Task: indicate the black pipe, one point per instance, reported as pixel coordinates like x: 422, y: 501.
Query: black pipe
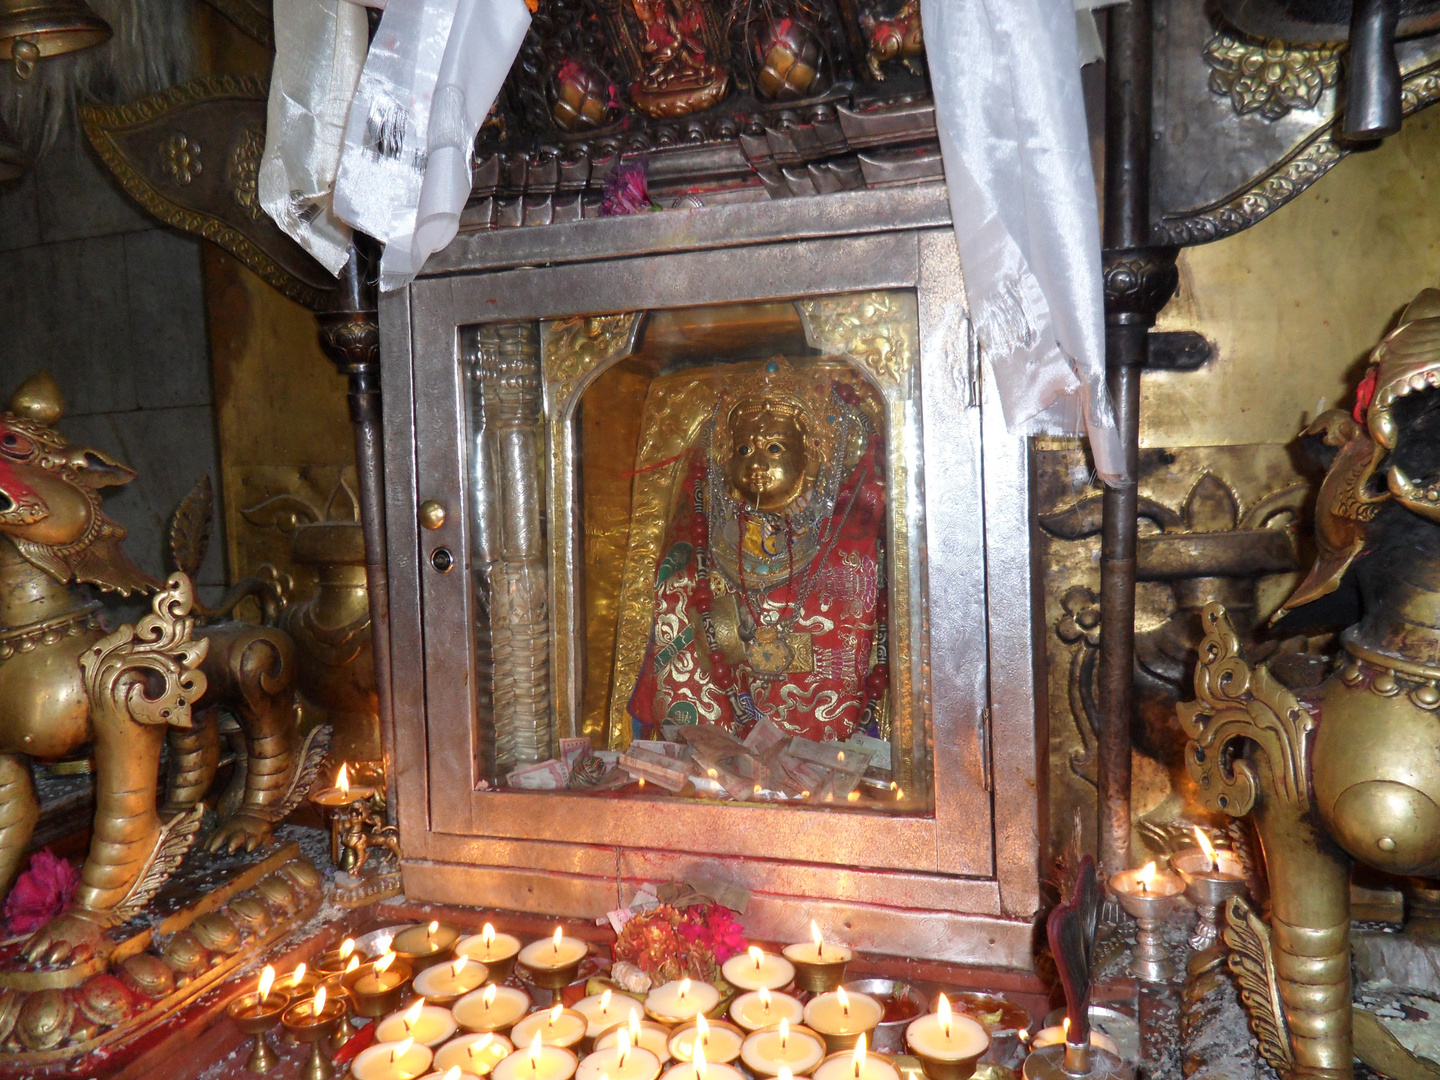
x: 1138, y: 281
x: 1372, y: 81
x: 350, y: 336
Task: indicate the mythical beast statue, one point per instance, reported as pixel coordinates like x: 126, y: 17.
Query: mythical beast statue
x: 1351, y: 769
x: 65, y: 683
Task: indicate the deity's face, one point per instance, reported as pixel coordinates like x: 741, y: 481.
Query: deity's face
x: 767, y: 466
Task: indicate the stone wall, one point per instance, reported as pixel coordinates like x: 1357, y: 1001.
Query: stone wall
x: 113, y: 305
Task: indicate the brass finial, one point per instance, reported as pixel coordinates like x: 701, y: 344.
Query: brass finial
x: 38, y: 398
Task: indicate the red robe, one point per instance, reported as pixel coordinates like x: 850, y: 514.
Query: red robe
x: 678, y: 683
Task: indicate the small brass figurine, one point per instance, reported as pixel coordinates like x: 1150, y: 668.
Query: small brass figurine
x: 1351, y: 773
x: 362, y: 825
x: 65, y: 683
x: 679, y: 76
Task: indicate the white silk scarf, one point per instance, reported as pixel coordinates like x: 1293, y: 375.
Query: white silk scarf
x: 434, y: 69
x: 1011, y: 117
x: 319, y: 50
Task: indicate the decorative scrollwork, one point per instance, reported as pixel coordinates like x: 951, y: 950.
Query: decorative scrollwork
x: 175, y: 839
x: 244, y: 172
x: 575, y: 347
x: 120, y: 667
x: 308, y: 762
x: 877, y: 330
x: 1236, y: 701
x: 1269, y: 77
x: 1252, y: 961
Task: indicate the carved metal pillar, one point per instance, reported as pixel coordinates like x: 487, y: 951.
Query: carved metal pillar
x: 1138, y: 281
x: 350, y: 336
x: 519, y: 588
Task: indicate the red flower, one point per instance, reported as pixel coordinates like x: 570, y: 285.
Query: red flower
x: 627, y: 190
x: 1364, y: 394
x: 40, y: 893
x: 715, y: 928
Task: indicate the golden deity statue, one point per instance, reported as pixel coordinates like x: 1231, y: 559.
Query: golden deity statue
x: 679, y: 76
x: 769, y: 595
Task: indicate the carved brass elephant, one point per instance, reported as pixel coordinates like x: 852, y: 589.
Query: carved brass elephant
x: 65, y: 683
x: 1353, y: 771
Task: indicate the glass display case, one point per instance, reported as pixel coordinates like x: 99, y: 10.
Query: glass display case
x: 709, y: 559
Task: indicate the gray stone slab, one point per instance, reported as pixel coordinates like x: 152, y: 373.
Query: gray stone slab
x: 170, y: 449
x: 84, y: 300
x: 19, y: 214
x: 1396, y: 958
x: 78, y: 198
x: 25, y: 317
x: 168, y: 344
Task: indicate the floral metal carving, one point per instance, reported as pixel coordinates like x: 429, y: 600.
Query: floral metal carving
x: 877, y: 330
x: 1236, y: 701
x: 577, y: 346
x: 1309, y: 161
x: 244, y: 172
x: 1269, y: 77
x: 180, y: 157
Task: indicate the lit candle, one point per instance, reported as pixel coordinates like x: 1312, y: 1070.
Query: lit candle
x: 494, y: 1008
x: 380, y: 978
x: 1058, y: 1033
x: 297, y: 980
x: 553, y: 953
x: 604, y: 1010
x: 619, y: 1062
x: 840, y: 1013
x: 1148, y: 882
x: 681, y: 1000
x: 768, y: 1051
x: 488, y: 947
x: 645, y: 1033
x: 402, y: 1060
x: 557, y: 1026
x: 475, y: 1054
x: 721, y: 1041
x: 817, y: 951
x: 700, y: 1069
x: 943, y: 1036
x: 429, y: 1025
x: 537, y: 1062
x: 761, y: 1009
x: 755, y: 969
x: 449, y: 981
x: 264, y: 999
x: 425, y: 944
x: 856, y: 1065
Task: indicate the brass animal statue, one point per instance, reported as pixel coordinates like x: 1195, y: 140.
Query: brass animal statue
x: 65, y: 683
x: 898, y: 36
x: 1350, y: 771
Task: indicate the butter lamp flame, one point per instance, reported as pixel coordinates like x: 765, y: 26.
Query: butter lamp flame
x: 784, y: 1033
x: 488, y: 997
x: 411, y: 1016
x: 859, y: 1058
x: 684, y: 988
x: 383, y: 964
x: 452, y: 1073
x: 757, y: 955
x: 267, y: 980
x: 623, y: 1039
x: 765, y: 999
x: 559, y: 933
x: 1146, y: 877
x: 347, y: 947
x: 536, y: 1051
x: 1211, y: 862
x: 699, y: 1062
x: 819, y: 939
x: 844, y: 1000
x: 401, y: 1048
x: 317, y: 1006
x: 487, y: 935
x: 942, y: 1009
x: 342, y: 779
x: 556, y: 1012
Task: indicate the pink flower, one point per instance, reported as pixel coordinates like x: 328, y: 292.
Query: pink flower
x: 627, y: 190
x: 40, y: 893
x: 714, y: 927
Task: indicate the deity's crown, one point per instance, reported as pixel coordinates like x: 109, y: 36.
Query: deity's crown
x: 781, y: 389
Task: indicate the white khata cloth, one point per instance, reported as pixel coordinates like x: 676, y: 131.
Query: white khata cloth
x: 1011, y: 117
x: 319, y: 51
x: 434, y: 69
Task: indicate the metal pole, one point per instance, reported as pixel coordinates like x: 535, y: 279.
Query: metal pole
x: 1139, y: 280
x: 350, y: 336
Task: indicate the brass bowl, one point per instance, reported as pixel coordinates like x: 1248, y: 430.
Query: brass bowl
x: 375, y: 1004
x: 818, y: 978
x: 555, y: 979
